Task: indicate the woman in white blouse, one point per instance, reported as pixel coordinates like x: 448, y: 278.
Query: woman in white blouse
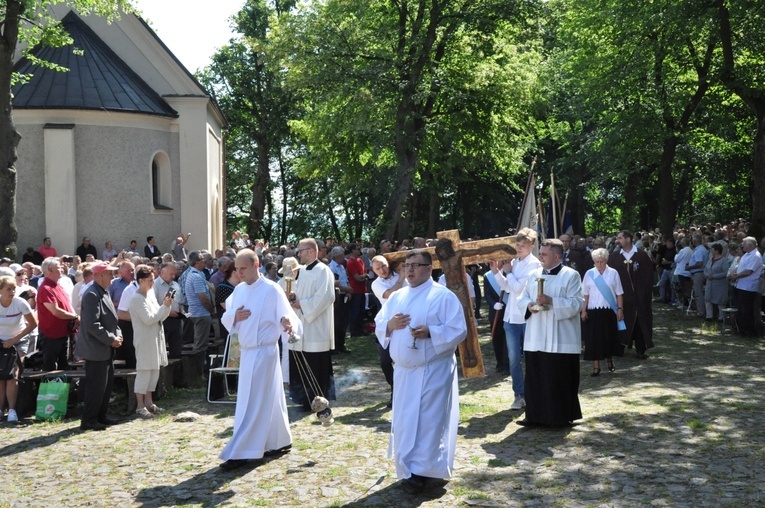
x: 602, y: 309
x: 148, y: 338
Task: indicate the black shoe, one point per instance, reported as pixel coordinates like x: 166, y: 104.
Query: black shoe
x: 595, y: 373
x: 92, y: 426
x: 414, y: 484
x: 642, y: 356
x: 280, y: 451
x: 231, y: 464
x: 611, y: 367
x: 525, y: 423
x: 108, y: 421
x: 390, y: 403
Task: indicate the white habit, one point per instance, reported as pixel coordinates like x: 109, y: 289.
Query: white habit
x: 315, y: 291
x: 557, y: 330
x: 260, y: 421
x: 425, y: 393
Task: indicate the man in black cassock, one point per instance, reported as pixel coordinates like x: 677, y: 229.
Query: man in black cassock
x: 636, y: 273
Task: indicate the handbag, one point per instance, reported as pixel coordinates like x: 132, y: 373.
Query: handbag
x: 52, y: 398
x: 8, y: 358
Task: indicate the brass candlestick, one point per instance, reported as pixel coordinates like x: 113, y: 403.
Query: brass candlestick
x: 540, y: 291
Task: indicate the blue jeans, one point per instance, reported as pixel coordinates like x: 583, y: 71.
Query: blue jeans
x: 514, y: 333
x: 666, y: 283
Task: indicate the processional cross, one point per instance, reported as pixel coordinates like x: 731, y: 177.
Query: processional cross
x: 451, y: 255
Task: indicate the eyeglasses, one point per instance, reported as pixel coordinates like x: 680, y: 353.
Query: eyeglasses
x: 414, y: 266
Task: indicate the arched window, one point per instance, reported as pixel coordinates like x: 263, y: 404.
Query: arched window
x: 161, y: 184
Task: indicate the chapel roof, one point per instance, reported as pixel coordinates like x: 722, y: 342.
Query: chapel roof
x: 97, y: 78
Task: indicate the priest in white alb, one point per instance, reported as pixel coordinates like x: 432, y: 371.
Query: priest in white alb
x: 422, y: 324
x: 259, y: 313
x: 553, y: 340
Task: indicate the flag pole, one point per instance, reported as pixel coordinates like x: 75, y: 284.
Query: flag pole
x: 554, y: 199
x: 526, y: 193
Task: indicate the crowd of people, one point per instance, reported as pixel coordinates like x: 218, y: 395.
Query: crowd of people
x: 294, y: 307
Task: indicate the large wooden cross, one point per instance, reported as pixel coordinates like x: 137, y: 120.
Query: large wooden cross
x: 451, y: 256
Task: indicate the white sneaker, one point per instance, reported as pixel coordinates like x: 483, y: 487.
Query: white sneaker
x: 12, y: 416
x: 518, y: 403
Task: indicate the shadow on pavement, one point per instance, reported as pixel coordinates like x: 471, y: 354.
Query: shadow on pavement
x: 38, y: 442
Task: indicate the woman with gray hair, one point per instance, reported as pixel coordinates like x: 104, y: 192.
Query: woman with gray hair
x: 603, y: 308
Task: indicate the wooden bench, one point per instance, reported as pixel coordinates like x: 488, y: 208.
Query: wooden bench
x: 30, y: 380
x: 166, y: 375
x: 193, y: 365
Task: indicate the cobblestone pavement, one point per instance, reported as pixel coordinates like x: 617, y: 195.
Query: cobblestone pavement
x: 683, y: 428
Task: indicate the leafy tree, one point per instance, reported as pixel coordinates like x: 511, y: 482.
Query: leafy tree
x: 388, y: 83
x: 740, y: 23
x: 248, y: 84
x: 637, y: 80
x: 29, y: 22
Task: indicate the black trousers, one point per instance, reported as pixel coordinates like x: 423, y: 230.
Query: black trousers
x: 386, y: 363
x: 173, y: 336
x: 749, y: 311
x: 126, y: 351
x: 356, y: 314
x: 341, y: 320
x: 99, y: 377
x: 55, y: 353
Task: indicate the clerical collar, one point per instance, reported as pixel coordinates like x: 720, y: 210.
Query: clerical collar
x: 554, y: 271
x: 310, y: 266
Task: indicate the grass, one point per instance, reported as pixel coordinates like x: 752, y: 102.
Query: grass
x: 697, y: 425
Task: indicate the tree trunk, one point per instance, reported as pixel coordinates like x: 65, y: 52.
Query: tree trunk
x: 667, y: 209
x: 406, y: 154
x: 434, y: 212
x: 285, y: 198
x: 755, y: 99
x: 758, y: 181
x: 259, y: 189
x: 9, y: 137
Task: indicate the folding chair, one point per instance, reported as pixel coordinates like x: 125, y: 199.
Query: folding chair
x: 229, y: 367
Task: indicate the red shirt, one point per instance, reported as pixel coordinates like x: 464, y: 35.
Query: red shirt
x: 47, y: 252
x: 356, y: 267
x: 50, y: 325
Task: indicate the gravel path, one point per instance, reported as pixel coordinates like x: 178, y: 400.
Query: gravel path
x: 683, y: 428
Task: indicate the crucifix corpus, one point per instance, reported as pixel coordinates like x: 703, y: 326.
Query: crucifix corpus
x: 451, y: 255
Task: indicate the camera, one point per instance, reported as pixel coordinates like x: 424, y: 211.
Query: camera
x: 171, y: 293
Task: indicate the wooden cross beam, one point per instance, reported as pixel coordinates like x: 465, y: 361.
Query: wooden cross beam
x: 451, y: 256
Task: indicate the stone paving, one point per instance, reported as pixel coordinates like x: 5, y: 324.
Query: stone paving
x: 683, y: 428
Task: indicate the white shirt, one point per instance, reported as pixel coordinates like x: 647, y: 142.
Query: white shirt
x: 750, y: 261
x: 380, y: 285
x: 681, y: 261
x: 127, y: 294
x: 161, y: 288
x: 513, y: 284
x: 595, y: 297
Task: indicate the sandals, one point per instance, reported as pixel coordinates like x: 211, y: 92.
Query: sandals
x: 144, y: 413
x: 154, y: 409
x: 595, y: 373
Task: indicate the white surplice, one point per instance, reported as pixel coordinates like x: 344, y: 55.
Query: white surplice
x: 260, y: 421
x: 425, y: 393
x: 558, y: 329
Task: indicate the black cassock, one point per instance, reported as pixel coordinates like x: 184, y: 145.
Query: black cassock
x: 637, y: 281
